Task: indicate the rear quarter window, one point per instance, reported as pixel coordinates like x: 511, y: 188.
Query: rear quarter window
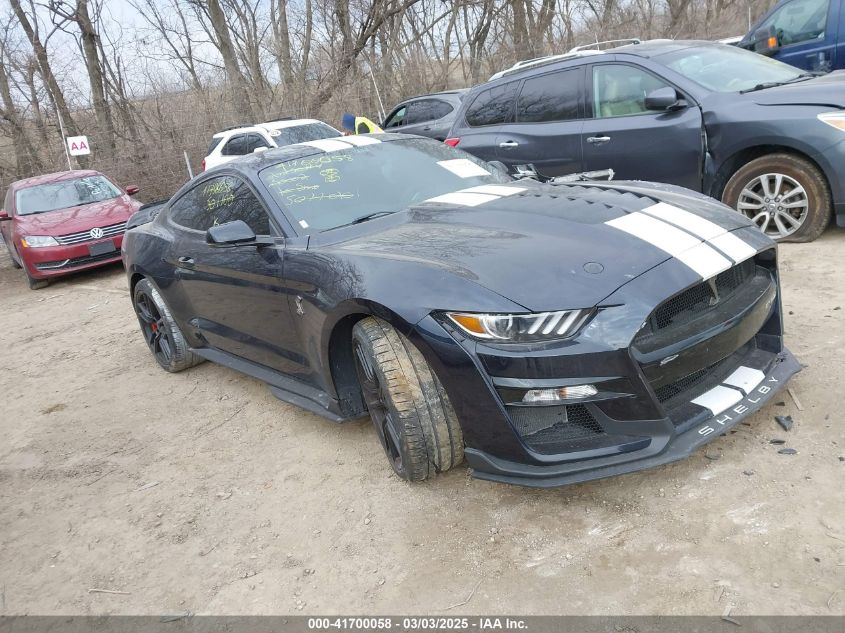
x: 493, y: 106
x: 215, y: 141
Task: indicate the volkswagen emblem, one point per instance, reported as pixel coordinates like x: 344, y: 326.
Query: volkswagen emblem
x: 96, y: 233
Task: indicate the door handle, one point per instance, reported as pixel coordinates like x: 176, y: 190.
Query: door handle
x: 186, y: 262
x: 508, y: 144
x: 596, y: 140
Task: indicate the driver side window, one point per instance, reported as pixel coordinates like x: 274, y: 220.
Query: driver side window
x: 799, y: 21
x: 217, y: 201
x: 620, y: 90
x: 397, y: 118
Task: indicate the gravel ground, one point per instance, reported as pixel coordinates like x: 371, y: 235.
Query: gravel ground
x: 201, y: 492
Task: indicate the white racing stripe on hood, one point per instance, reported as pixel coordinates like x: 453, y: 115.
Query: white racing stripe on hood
x: 327, y: 144
x: 360, y: 140
x: 494, y: 190
x: 695, y: 224
x: 474, y: 196
x: 664, y: 236
x: 705, y: 261
x: 732, y: 246
x: 697, y: 246
x: 464, y: 198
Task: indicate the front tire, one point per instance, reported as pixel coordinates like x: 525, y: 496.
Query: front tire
x: 414, y: 419
x: 36, y: 284
x: 786, y: 196
x: 15, y: 263
x: 161, y: 333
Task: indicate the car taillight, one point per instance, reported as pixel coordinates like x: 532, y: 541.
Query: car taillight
x: 203, y: 164
x: 452, y: 142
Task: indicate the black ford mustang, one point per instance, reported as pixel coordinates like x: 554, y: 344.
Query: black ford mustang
x: 551, y: 333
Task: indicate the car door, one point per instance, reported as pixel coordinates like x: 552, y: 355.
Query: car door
x: 485, y: 115
x: 547, y: 128
x: 807, y: 32
x: 637, y: 143
x: 235, y: 294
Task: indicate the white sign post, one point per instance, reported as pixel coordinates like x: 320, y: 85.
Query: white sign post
x: 78, y: 145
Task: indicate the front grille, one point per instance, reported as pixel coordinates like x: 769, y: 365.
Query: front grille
x: 554, y: 429
x: 77, y: 261
x: 691, y: 303
x: 85, y: 236
x: 676, y: 397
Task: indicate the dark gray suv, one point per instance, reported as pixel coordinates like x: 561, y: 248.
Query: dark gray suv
x: 766, y: 138
x: 427, y: 115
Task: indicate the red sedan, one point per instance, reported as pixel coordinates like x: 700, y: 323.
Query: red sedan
x: 64, y: 222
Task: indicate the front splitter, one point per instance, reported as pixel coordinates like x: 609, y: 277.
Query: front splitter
x: 680, y: 446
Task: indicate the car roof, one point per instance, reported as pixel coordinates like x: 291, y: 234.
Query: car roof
x: 645, y: 49
x: 653, y: 48
x: 263, y: 127
x: 443, y: 93
x: 58, y: 176
x: 251, y: 164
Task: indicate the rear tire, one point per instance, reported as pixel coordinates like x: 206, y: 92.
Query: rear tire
x: 786, y: 196
x: 162, y: 335
x: 414, y: 419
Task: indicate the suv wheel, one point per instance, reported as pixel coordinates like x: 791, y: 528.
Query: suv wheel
x: 414, y: 419
x: 162, y: 335
x: 787, y: 197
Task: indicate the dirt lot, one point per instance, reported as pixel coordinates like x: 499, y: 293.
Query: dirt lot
x: 201, y: 492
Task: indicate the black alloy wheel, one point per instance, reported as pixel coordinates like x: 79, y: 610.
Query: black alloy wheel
x: 155, y: 330
x: 380, y: 413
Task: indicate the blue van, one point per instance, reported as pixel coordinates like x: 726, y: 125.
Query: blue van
x: 809, y: 34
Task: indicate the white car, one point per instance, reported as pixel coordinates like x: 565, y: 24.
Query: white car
x: 240, y: 141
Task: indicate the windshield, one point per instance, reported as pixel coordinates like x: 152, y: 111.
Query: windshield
x: 64, y: 194
x: 727, y: 68
x: 302, y: 133
x: 336, y: 188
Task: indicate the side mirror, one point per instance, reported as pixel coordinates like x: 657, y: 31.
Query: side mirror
x: 260, y: 149
x: 766, y: 41
x: 664, y: 100
x: 4, y: 216
x: 131, y: 190
x: 230, y: 234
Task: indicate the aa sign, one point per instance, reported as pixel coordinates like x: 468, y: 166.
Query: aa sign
x: 78, y: 145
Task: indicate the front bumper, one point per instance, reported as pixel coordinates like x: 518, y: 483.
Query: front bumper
x: 662, y: 391
x: 55, y: 261
x: 832, y: 162
x: 667, y: 445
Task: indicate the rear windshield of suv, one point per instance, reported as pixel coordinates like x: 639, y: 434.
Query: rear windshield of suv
x: 64, y: 194
x: 302, y: 133
x: 727, y: 68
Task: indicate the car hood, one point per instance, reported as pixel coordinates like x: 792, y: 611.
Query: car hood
x: 547, y: 247
x: 827, y: 90
x: 75, y: 219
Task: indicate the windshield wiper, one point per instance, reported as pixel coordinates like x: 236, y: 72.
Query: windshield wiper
x: 364, y: 218
x: 774, y: 84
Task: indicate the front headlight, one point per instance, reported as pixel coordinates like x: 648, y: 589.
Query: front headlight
x: 521, y: 328
x: 834, y: 119
x: 35, y: 241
